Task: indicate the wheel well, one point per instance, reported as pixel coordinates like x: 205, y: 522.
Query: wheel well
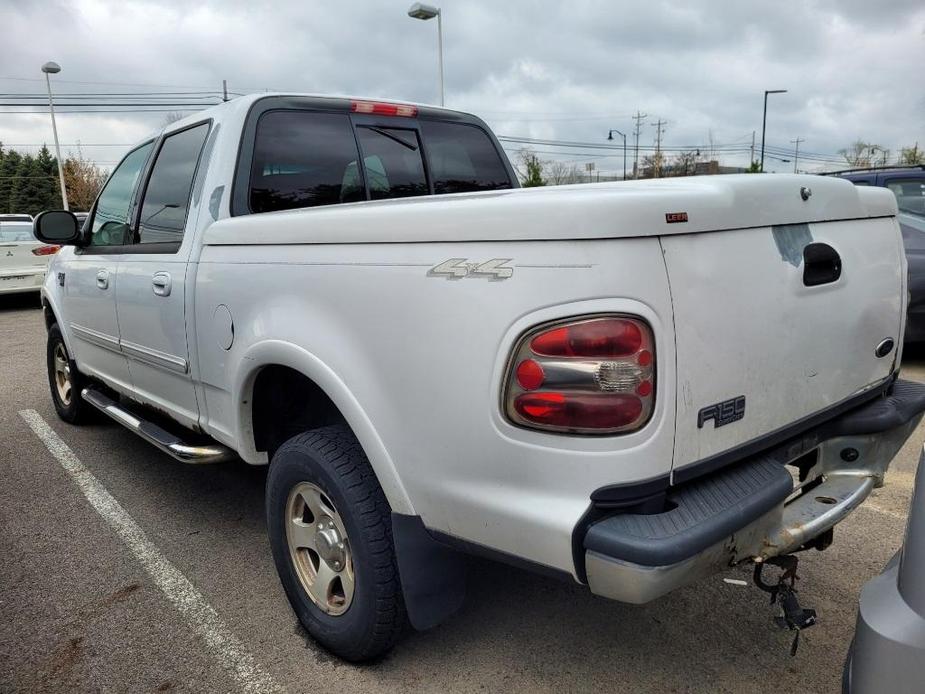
x: 50, y: 318
x: 285, y: 403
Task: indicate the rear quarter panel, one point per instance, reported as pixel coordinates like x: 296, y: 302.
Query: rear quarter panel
x: 416, y: 363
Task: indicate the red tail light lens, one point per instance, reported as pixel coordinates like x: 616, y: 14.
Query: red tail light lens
x: 606, y: 338
x: 46, y: 250
x: 593, y: 375
x: 377, y: 108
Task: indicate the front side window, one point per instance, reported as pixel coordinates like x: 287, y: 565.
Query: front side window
x: 111, y: 226
x: 304, y: 159
x: 393, y: 162
x: 462, y: 158
x: 167, y: 196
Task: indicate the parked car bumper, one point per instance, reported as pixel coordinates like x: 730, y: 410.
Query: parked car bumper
x: 888, y: 651
x: 755, y: 509
x: 22, y: 280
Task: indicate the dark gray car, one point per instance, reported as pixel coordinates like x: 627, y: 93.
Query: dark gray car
x: 908, y: 185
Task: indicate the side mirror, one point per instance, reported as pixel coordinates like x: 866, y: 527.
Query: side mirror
x: 56, y: 227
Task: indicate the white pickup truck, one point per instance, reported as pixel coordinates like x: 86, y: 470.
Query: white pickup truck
x: 632, y: 385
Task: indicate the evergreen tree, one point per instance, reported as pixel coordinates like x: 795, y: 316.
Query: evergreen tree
x: 27, y: 195
x: 50, y: 195
x: 8, y: 170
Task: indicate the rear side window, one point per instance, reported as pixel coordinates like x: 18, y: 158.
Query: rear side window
x: 167, y: 196
x: 304, y: 159
x: 462, y: 158
x: 393, y: 162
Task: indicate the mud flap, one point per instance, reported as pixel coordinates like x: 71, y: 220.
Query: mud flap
x: 433, y: 576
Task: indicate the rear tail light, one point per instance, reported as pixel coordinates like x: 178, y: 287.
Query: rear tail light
x: 592, y: 375
x: 378, y: 108
x: 45, y: 250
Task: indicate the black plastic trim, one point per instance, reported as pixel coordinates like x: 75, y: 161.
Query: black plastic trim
x: 701, y: 514
x: 478, y: 550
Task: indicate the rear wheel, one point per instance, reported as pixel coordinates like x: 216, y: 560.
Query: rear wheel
x: 330, y: 531
x: 64, y: 380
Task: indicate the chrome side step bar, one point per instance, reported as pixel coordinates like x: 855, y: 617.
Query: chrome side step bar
x: 167, y: 442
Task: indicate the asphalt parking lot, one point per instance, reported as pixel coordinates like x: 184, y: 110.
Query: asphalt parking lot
x: 79, y: 611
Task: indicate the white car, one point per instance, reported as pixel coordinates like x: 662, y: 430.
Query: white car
x: 23, y: 259
x: 609, y: 383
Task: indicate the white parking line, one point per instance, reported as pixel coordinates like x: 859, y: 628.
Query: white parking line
x: 201, y: 617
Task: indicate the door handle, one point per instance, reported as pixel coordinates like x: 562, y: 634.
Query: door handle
x: 102, y: 279
x: 822, y: 264
x: 160, y: 283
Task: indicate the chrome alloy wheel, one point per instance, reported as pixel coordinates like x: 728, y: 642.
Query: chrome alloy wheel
x: 319, y: 548
x: 62, y: 374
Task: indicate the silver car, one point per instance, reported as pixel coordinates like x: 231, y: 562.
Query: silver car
x: 888, y: 651
x: 23, y: 259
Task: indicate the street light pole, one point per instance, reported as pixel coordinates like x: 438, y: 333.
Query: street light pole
x: 610, y: 137
x: 421, y: 11
x: 51, y: 68
x: 764, y: 119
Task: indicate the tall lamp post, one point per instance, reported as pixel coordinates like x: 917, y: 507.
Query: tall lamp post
x: 421, y: 11
x: 764, y: 119
x: 610, y: 137
x: 51, y: 68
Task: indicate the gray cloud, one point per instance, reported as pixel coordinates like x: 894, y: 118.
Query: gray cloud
x: 553, y: 70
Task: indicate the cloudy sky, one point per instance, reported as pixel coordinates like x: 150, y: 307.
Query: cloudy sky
x: 565, y: 71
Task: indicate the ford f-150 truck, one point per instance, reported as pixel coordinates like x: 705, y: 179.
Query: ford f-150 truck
x: 632, y: 385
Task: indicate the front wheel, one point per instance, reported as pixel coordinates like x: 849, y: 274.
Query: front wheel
x: 64, y: 380
x: 330, y: 531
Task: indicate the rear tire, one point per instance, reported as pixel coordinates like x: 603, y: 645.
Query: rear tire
x: 64, y: 380
x: 331, y: 534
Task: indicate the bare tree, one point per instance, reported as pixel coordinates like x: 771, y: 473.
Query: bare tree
x: 684, y: 164
x: 912, y: 155
x: 83, y: 180
x: 652, y: 165
x: 172, y: 117
x: 560, y: 173
x: 529, y: 168
x: 863, y: 154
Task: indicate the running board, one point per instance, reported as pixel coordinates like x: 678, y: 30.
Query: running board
x: 167, y: 442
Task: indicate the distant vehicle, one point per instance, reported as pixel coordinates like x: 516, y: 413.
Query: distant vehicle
x: 888, y: 651
x: 23, y: 259
x: 908, y: 185
x: 16, y: 218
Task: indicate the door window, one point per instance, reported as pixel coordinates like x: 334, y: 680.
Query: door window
x: 111, y: 226
x: 166, y: 198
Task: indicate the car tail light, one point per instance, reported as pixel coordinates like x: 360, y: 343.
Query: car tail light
x: 45, y: 250
x: 592, y: 375
x: 378, y: 108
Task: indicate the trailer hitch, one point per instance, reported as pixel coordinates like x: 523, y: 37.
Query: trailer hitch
x: 784, y: 593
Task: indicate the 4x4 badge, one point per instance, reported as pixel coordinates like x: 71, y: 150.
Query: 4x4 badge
x: 457, y: 268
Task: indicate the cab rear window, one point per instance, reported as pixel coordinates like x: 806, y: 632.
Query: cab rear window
x: 310, y: 158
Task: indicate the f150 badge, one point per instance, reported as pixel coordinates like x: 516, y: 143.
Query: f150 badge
x: 722, y: 413
x: 458, y: 268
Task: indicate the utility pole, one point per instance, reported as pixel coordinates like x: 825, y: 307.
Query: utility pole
x: 657, y: 173
x: 752, y: 160
x: 637, y: 131
x: 796, y: 152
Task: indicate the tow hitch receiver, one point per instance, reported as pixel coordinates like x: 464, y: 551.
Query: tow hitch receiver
x: 784, y: 593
